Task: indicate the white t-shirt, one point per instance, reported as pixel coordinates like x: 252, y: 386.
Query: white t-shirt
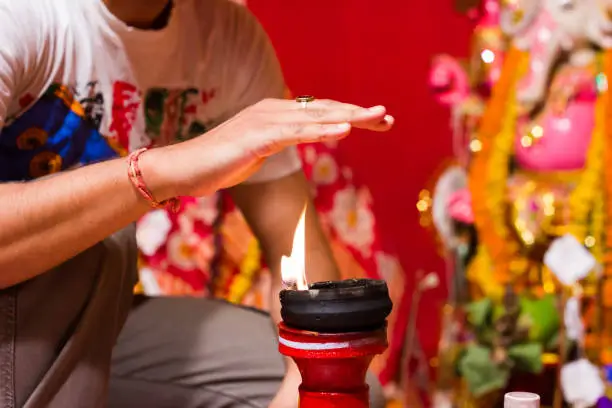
x: 77, y: 85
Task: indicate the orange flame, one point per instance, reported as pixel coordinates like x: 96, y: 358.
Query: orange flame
x: 293, y: 268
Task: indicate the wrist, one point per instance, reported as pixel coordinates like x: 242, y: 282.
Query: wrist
x: 157, y: 174
x: 183, y: 169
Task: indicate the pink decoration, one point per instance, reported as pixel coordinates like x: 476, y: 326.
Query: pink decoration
x: 460, y: 206
x: 566, y: 129
x: 448, y: 80
x: 490, y: 17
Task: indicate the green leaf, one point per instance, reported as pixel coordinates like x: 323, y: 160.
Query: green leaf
x: 527, y: 357
x: 485, y: 336
x: 543, y: 318
x: 478, y: 313
x: 480, y: 373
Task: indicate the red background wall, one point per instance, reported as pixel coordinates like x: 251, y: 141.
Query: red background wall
x: 378, y: 52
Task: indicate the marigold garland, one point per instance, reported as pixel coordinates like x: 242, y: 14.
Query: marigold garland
x: 607, y: 159
x: 598, y: 220
x: 586, y: 202
x: 249, y: 267
x: 606, y: 247
x: 490, y: 167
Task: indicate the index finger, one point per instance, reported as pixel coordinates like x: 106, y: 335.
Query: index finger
x: 315, y: 107
x: 328, y: 112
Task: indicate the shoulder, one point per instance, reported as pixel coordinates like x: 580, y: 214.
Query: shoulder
x: 32, y: 32
x: 20, y: 18
x: 28, y: 12
x: 25, y: 29
x: 29, y: 25
x: 20, y: 8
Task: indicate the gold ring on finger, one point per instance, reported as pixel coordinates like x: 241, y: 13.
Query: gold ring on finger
x: 304, y: 100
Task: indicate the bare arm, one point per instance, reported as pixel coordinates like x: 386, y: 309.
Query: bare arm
x: 65, y: 214
x: 57, y: 217
x: 272, y: 210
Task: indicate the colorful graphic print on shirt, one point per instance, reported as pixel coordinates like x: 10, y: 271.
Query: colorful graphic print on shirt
x: 172, y: 115
x: 57, y: 132
x: 61, y: 129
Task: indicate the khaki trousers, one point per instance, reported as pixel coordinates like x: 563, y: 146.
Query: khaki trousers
x: 76, y: 337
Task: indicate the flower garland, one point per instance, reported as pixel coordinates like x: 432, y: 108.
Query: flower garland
x: 607, y: 158
x: 606, y: 210
x: 489, y: 169
x: 249, y: 267
x: 585, y: 200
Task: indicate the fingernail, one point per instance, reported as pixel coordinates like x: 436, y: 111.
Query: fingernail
x: 377, y: 109
x: 389, y: 119
x: 343, y: 126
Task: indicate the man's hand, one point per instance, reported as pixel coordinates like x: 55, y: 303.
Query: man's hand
x: 240, y: 145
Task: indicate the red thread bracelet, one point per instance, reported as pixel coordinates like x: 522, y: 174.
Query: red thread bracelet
x: 135, y: 176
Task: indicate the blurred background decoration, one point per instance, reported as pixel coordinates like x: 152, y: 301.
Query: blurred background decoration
x: 522, y: 213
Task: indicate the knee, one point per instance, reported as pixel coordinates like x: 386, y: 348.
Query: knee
x: 377, y: 398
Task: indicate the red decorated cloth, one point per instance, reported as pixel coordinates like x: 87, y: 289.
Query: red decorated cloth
x: 207, y: 249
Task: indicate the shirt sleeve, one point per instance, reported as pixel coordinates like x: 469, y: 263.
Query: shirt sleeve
x: 13, y: 54
x: 259, y: 76
x: 24, y: 52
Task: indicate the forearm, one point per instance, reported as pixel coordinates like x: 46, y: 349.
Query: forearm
x: 45, y: 222
x: 273, y: 210
x: 320, y: 265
